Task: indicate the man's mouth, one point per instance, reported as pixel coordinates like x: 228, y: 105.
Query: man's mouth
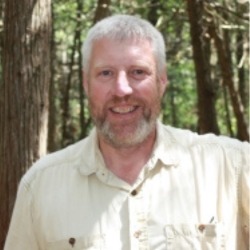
x: 124, y: 110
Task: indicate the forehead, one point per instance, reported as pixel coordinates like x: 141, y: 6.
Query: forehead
x: 122, y: 50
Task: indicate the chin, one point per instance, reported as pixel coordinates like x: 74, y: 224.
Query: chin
x: 127, y: 136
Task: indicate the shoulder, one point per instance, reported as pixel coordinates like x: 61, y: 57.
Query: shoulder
x: 204, y: 145
x: 207, y: 150
x: 64, y: 160
x: 187, y: 138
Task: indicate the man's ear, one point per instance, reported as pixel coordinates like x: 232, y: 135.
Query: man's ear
x: 163, y: 81
x: 85, y: 82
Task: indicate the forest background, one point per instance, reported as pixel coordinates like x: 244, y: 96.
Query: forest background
x: 43, y: 107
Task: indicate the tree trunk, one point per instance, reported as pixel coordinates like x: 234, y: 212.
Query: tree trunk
x: 52, y: 146
x: 85, y: 119
x: 154, y: 5
x: 67, y: 137
x: 227, y: 74
x: 24, y: 96
x: 228, y: 117
x: 201, y: 54
x: 102, y: 10
x: 241, y: 71
x: 242, y: 49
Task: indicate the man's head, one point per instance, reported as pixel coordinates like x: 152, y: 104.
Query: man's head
x: 125, y: 27
x: 125, y: 78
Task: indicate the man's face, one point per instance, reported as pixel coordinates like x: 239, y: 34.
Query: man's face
x: 124, y: 91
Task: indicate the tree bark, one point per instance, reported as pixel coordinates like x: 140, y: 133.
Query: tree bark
x: 85, y: 119
x: 201, y: 53
x: 24, y: 96
x: 228, y: 117
x: 241, y: 71
x: 52, y: 146
x: 227, y: 74
x: 102, y: 10
x: 67, y: 137
x: 152, y: 15
x: 242, y: 49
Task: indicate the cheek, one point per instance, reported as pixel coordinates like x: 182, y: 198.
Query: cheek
x: 97, y: 100
x: 149, y: 91
x: 97, y: 93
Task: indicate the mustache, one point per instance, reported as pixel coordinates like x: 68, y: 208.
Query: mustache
x: 124, y: 100
x: 117, y: 99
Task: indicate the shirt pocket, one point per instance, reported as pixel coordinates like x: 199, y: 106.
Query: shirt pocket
x: 195, y: 237
x: 82, y: 243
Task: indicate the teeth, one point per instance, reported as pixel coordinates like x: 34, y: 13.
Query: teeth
x: 123, y: 110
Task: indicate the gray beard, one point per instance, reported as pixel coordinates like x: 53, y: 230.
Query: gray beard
x: 138, y: 135
x: 127, y: 135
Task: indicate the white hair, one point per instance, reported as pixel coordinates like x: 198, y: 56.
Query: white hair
x: 125, y: 27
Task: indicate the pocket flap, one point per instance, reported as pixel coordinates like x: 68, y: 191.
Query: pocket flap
x: 79, y: 243
x: 196, y: 237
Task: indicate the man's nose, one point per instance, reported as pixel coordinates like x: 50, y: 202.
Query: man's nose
x: 122, y: 86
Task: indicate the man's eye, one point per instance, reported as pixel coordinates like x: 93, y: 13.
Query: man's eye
x: 138, y: 71
x: 106, y: 73
x: 139, y: 74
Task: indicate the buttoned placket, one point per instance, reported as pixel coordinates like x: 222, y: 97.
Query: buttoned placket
x: 138, y: 219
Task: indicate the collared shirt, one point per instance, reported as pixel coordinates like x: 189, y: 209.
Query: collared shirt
x: 192, y: 194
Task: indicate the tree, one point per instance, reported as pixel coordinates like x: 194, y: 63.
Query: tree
x: 202, y: 52
x: 227, y: 74
x: 51, y: 144
x: 24, y: 96
x: 222, y: 43
x: 102, y: 10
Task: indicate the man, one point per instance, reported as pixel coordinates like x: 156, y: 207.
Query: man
x: 133, y: 183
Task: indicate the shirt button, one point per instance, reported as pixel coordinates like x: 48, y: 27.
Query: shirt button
x: 137, y: 234
x: 134, y: 192
x: 170, y: 234
x: 201, y: 228
x: 72, y: 241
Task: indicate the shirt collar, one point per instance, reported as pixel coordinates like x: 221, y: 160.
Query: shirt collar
x: 165, y: 148
x: 90, y: 156
x: 91, y: 159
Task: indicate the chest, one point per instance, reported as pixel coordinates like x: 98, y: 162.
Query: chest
x: 171, y: 203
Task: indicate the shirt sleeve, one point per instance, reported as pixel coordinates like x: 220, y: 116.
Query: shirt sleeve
x: 21, y: 235
x: 244, y: 193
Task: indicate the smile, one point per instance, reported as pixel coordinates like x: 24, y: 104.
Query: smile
x: 123, y: 110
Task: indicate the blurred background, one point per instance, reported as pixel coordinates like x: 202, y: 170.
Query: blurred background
x: 43, y: 107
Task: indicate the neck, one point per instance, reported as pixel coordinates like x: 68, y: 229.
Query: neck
x: 127, y: 163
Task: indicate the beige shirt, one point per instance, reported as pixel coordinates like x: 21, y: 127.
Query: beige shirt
x: 192, y: 194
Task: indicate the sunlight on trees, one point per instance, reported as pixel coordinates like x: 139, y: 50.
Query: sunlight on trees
x: 180, y: 102
x: 223, y: 28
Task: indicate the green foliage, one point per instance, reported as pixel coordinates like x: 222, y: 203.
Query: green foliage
x: 180, y: 102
